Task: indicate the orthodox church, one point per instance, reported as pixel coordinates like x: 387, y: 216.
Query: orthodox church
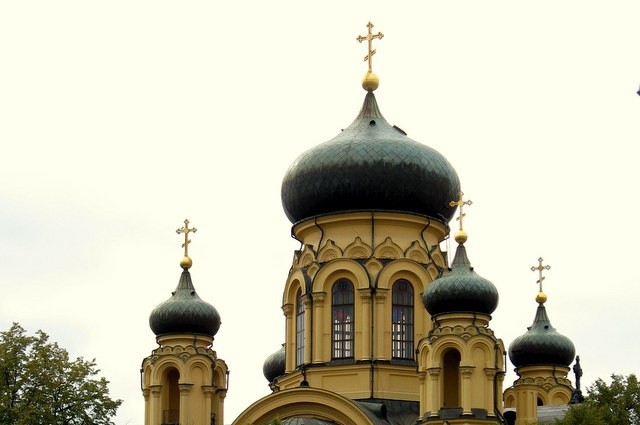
x: 381, y: 328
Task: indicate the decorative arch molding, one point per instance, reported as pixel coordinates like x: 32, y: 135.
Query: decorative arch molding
x: 373, y: 266
x: 338, y: 269
x: 358, y: 250
x: 297, y: 280
x: 329, y: 252
x: 306, y: 257
x: 388, y: 250
x: 307, y: 402
x: 417, y: 253
x: 404, y: 269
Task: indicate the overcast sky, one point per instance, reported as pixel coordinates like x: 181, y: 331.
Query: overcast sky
x: 121, y: 118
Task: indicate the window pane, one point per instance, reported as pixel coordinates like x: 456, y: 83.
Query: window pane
x: 299, y: 329
x: 342, y: 319
x: 402, y: 320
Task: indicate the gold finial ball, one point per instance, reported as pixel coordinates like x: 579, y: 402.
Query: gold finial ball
x: 186, y: 263
x: 461, y: 236
x: 541, y: 297
x: 370, y: 82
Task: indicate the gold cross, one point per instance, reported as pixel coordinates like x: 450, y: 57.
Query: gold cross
x: 540, y: 267
x: 369, y: 37
x: 186, y: 232
x: 460, y: 203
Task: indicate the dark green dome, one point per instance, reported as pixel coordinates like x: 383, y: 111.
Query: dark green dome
x: 461, y: 290
x: 274, y: 365
x: 371, y: 165
x: 541, y: 345
x: 184, y: 312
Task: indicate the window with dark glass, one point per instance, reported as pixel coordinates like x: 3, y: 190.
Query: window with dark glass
x: 342, y: 319
x: 402, y: 320
x: 299, y: 329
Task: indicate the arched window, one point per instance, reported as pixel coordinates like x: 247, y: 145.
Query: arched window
x: 402, y: 320
x: 299, y: 328
x: 342, y: 319
x: 451, y: 379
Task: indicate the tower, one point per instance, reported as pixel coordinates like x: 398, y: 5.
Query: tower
x: 541, y: 357
x: 461, y: 360
x: 370, y: 208
x: 183, y: 380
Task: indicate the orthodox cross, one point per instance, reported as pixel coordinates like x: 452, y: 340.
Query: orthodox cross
x: 369, y: 37
x: 540, y: 267
x: 186, y: 230
x: 460, y: 203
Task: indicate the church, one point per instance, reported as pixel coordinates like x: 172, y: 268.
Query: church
x: 383, y: 326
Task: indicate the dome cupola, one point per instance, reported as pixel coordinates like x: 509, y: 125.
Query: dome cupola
x: 541, y: 344
x: 185, y: 312
x: 274, y: 365
x: 370, y: 166
x: 461, y: 289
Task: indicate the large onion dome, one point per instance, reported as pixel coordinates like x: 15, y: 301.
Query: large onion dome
x: 541, y: 344
x: 370, y: 166
x: 274, y: 365
x: 184, y: 312
x: 461, y: 290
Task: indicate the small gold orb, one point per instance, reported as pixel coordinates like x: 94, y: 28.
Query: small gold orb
x: 186, y: 263
x: 370, y: 82
x: 541, y: 298
x: 461, y: 236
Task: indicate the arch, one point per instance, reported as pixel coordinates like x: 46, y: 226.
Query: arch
x: 340, y: 268
x: 307, y: 402
x: 510, y: 400
x: 440, y: 347
x: 404, y: 269
x: 193, y: 364
x: 170, y: 395
x: 296, y: 279
x: 451, y: 378
x: 164, y: 363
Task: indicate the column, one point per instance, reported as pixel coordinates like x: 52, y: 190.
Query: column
x: 319, y: 331
x: 434, y: 391
x: 382, y: 333
x: 155, y: 405
x: 185, y: 389
x: 465, y: 388
x: 365, y: 300
x: 290, y: 338
x: 307, y: 328
x: 208, y: 391
x: 489, y: 393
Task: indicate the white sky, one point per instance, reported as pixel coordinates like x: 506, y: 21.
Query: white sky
x: 120, y: 119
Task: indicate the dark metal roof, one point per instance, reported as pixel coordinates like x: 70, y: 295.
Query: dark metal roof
x: 541, y: 344
x: 184, y: 312
x: 370, y: 166
x: 274, y: 365
x: 461, y: 290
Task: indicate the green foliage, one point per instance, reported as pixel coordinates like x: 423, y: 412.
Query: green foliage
x: 617, y: 403
x: 40, y: 385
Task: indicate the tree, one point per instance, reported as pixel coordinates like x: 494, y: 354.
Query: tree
x: 40, y: 385
x: 615, y: 404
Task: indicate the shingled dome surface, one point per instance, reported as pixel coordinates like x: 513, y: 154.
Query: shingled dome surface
x: 370, y: 166
x: 184, y: 312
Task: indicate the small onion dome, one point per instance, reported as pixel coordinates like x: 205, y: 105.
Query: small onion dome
x: 370, y: 166
x: 460, y: 290
x: 541, y: 345
x: 274, y: 365
x: 184, y: 312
